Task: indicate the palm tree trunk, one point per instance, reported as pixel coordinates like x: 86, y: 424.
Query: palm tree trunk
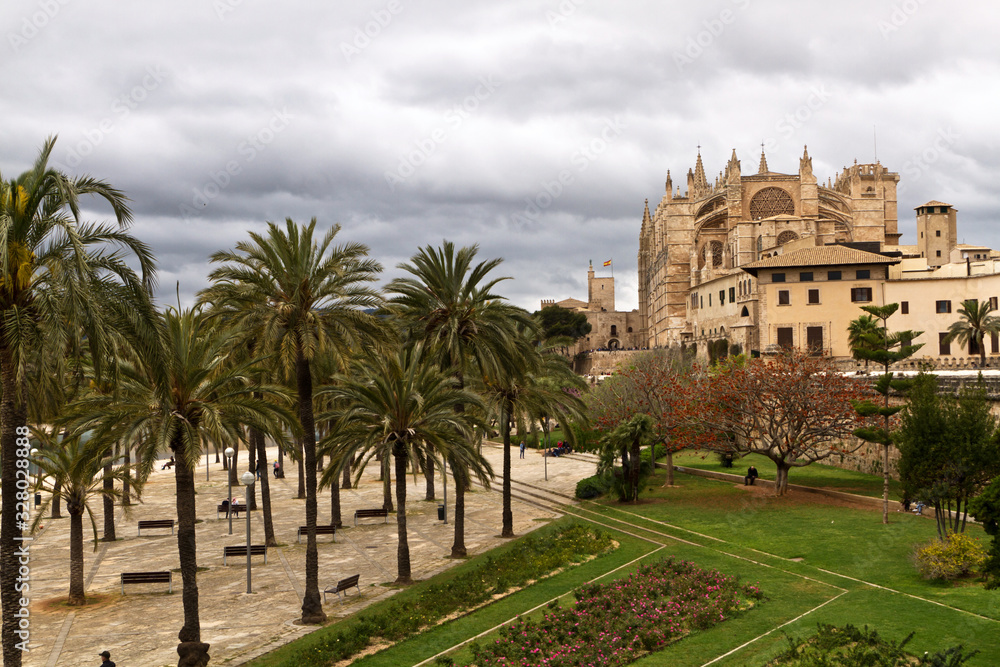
x: 458, y: 549
x: 403, y: 550
x: 126, y: 483
x: 429, y: 474
x: 257, y: 442
x: 302, y: 468
x: 191, y: 649
x: 12, y: 423
x: 345, y: 483
x: 508, y: 515
x: 386, y: 480
x: 633, y: 481
x: 56, y: 501
x: 312, y: 605
x: 335, y: 514
x: 109, y: 503
x: 77, y: 595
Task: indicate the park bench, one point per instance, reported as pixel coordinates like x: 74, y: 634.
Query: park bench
x: 320, y: 530
x: 342, y: 586
x: 370, y: 514
x: 157, y: 523
x: 148, y: 578
x: 225, y: 507
x: 241, y: 550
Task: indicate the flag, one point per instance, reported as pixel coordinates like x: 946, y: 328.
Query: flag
x: 607, y: 263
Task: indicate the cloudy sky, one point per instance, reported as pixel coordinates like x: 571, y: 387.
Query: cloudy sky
x: 533, y: 128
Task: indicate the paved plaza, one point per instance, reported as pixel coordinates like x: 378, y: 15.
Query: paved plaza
x: 140, y: 628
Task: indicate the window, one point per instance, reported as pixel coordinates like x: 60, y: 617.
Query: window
x: 784, y: 336
x: 614, y: 330
x: 709, y: 300
x: 813, y: 296
x: 783, y: 297
x: 630, y: 329
x: 944, y: 347
x: 732, y: 294
x: 701, y: 300
x: 942, y: 306
x: 864, y: 274
x: 938, y: 253
x: 973, y: 347
x: 722, y: 297
x: 993, y: 302
x: 805, y: 277
x: 994, y: 343
x: 904, y: 307
x: 833, y: 275
x: 861, y: 294
x: 777, y: 277
x: 937, y: 232
x: 814, y: 340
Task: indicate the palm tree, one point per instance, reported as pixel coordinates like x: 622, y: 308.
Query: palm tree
x: 626, y: 440
x: 300, y: 298
x: 73, y: 470
x: 975, y: 323
x: 199, y: 397
x: 395, y: 404
x: 59, y: 275
x: 448, y: 302
x: 859, y: 333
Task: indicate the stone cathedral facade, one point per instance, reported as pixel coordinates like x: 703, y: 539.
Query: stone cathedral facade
x: 699, y: 243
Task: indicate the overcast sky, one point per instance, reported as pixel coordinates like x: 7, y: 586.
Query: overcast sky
x: 535, y: 129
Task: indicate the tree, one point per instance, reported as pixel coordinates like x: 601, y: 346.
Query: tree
x: 795, y: 409
x: 73, y: 470
x: 300, y: 298
x: 948, y: 449
x: 625, y: 442
x: 562, y: 322
x: 59, y: 275
x: 885, y: 349
x: 199, y: 397
x: 395, y: 404
x: 974, y: 324
x: 985, y: 508
x: 448, y: 302
x: 859, y: 332
x: 654, y: 383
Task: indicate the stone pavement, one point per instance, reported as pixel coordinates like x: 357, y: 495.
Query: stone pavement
x: 140, y: 628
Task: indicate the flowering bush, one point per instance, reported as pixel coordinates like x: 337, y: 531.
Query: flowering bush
x: 957, y: 556
x: 618, y: 623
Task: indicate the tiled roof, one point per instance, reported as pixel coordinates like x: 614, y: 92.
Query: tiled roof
x: 934, y: 202
x: 830, y: 255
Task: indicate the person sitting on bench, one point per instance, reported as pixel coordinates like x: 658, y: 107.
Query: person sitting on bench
x: 169, y: 464
x: 751, y: 476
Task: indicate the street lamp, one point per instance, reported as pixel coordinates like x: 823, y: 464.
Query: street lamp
x: 248, y: 479
x: 34, y: 459
x: 444, y: 477
x: 546, y: 452
x: 229, y: 499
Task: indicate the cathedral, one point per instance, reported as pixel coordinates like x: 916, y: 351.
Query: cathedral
x: 705, y: 242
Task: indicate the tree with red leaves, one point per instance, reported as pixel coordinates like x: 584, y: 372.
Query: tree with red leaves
x: 656, y: 383
x: 794, y: 408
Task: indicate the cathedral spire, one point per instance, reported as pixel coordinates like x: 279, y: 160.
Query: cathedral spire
x: 763, y: 161
x: 699, y: 172
x: 669, y: 184
x: 645, y: 215
x: 805, y: 163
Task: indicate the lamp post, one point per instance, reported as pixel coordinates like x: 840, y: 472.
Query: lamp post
x: 546, y: 452
x: 229, y: 499
x: 444, y: 478
x: 248, y: 479
x: 33, y: 460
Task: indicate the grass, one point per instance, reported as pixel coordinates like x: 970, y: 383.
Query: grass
x: 816, y: 475
x: 849, y: 562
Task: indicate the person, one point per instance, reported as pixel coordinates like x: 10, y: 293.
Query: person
x: 168, y: 464
x: 906, y: 503
x: 919, y: 509
x: 751, y: 476
x: 727, y: 462
x: 256, y: 471
x: 106, y: 659
x: 278, y: 472
x: 522, y: 449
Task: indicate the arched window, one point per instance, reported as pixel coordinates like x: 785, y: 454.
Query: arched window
x: 744, y: 312
x: 630, y: 329
x: 787, y: 236
x: 614, y: 330
x: 760, y: 243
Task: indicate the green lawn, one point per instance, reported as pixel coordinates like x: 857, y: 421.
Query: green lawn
x: 816, y: 475
x: 815, y: 561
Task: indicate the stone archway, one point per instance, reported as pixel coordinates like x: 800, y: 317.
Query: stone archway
x: 614, y: 344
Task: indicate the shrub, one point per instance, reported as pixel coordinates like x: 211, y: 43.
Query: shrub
x: 849, y: 647
x: 957, y: 556
x: 591, y: 487
x: 661, y: 451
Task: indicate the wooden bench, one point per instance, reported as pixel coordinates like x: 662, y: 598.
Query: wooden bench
x: 148, y: 578
x: 370, y: 514
x: 320, y: 530
x: 157, y: 523
x: 342, y: 586
x: 225, y: 507
x: 241, y: 550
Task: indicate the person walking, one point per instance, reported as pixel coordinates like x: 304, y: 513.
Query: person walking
x: 522, y: 449
x: 106, y: 659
